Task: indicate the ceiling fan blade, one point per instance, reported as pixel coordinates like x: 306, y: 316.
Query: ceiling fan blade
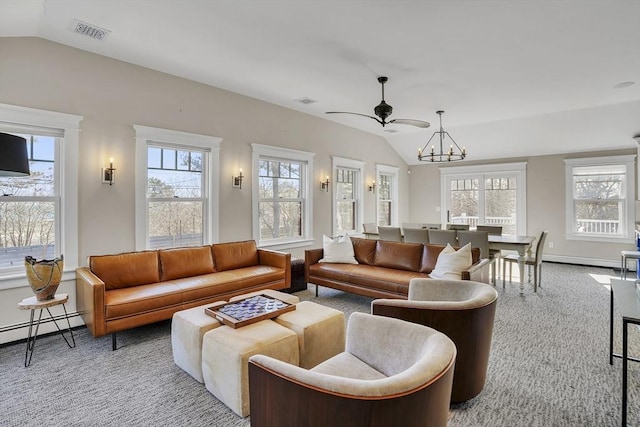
x: 356, y: 114
x: 411, y: 122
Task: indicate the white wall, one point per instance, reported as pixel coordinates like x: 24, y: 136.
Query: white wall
x: 113, y: 96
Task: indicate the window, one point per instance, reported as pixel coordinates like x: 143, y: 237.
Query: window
x: 347, y: 206
x: 38, y: 214
x: 282, y: 206
x: 599, y: 197
x: 387, y: 195
x: 486, y: 195
x: 176, y: 197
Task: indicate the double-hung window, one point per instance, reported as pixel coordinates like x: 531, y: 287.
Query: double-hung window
x: 39, y: 212
x: 600, y: 193
x: 176, y: 202
x: 387, y: 195
x: 282, y: 206
x: 485, y: 195
x: 347, y: 205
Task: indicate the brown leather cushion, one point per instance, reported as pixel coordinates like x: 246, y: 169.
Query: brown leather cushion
x: 228, y: 256
x: 431, y: 252
x: 402, y: 256
x: 127, y: 269
x: 185, y: 262
x: 364, y: 250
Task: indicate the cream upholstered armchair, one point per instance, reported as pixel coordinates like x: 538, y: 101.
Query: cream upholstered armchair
x: 392, y: 372
x: 461, y: 309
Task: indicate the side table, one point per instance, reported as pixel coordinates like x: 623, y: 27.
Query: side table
x: 33, y: 304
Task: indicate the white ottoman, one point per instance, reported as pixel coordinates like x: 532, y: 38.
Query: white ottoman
x: 225, y: 355
x: 320, y: 330
x: 187, y: 329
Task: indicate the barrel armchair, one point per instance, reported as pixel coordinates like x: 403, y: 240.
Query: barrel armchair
x: 392, y: 372
x: 463, y: 310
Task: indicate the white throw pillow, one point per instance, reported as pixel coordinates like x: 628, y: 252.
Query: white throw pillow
x: 451, y: 263
x: 340, y: 251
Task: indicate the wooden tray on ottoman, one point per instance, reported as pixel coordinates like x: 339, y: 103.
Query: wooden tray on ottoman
x: 249, y: 310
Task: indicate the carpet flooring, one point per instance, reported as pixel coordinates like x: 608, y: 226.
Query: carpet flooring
x: 549, y: 366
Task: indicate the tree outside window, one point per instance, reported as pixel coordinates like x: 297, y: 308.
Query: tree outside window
x: 280, y: 199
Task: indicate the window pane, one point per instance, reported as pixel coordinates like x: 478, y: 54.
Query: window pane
x: 280, y: 219
x: 598, y: 216
x: 464, y: 203
x: 175, y: 224
x: 500, y: 204
x: 279, y: 180
x: 184, y: 162
x: 598, y: 187
x: 384, y: 213
x: 346, y: 215
x: 168, y: 159
x: 43, y: 147
x: 28, y: 228
x: 154, y: 156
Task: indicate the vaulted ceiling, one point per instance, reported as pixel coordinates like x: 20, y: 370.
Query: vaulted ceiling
x: 515, y: 78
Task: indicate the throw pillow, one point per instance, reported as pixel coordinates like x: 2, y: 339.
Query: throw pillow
x: 451, y: 263
x: 340, y: 251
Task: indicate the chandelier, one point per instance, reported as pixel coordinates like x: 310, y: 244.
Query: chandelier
x: 441, y: 155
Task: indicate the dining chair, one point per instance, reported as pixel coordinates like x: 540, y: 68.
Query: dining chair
x: 369, y: 227
x: 479, y: 239
x: 457, y: 226
x: 534, y: 261
x: 494, y: 254
x: 392, y: 234
x: 416, y: 235
x: 442, y: 237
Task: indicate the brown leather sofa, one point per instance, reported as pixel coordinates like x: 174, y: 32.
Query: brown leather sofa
x: 384, y: 268
x: 123, y: 291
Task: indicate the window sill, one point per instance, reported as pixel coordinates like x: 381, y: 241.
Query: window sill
x: 19, y: 280
x: 283, y: 245
x: 604, y: 239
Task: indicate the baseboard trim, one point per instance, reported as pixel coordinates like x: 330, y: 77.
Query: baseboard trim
x: 593, y: 262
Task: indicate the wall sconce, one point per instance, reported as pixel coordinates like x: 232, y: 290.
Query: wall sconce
x: 324, y: 185
x: 237, y: 180
x: 108, y: 173
x: 372, y: 187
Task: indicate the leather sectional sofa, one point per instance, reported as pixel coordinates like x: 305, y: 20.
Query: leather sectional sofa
x: 123, y: 291
x: 384, y: 268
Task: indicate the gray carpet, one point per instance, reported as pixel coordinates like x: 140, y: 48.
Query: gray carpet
x: 548, y: 367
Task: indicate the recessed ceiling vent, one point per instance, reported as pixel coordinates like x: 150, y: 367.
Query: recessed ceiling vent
x: 305, y: 100
x: 90, y: 30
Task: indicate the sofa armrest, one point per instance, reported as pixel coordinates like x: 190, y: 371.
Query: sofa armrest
x: 277, y: 259
x: 90, y: 301
x: 478, y: 272
x: 311, y: 256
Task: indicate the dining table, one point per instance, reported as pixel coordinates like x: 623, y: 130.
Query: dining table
x: 520, y: 244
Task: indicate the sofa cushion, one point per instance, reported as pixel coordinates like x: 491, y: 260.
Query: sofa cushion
x: 141, y: 299
x: 364, y: 250
x: 185, y: 262
x: 430, y: 256
x: 451, y: 263
x: 229, y: 256
x: 126, y: 269
x: 401, y: 256
x: 340, y: 251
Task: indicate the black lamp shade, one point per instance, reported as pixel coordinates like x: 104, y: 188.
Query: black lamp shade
x: 13, y: 155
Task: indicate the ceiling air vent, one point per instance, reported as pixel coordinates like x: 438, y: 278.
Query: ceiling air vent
x: 91, y: 30
x: 305, y: 100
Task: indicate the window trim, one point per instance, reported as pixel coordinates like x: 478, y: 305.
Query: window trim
x: 484, y: 171
x: 393, y: 171
x: 341, y: 162
x: 67, y: 173
x: 144, y: 136
x: 259, y: 151
x: 629, y: 213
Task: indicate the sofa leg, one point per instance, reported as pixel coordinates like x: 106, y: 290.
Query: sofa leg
x: 113, y: 342
x: 317, y: 286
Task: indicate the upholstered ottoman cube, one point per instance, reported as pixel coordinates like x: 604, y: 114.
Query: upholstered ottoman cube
x: 187, y: 329
x: 320, y: 331
x: 225, y: 355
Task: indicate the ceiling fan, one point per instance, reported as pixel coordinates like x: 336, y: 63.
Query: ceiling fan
x: 384, y: 110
